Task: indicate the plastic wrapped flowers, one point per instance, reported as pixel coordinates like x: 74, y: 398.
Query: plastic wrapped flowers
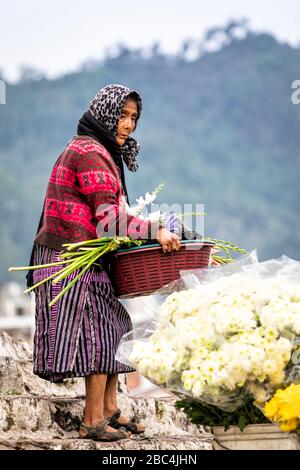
x: 227, y: 338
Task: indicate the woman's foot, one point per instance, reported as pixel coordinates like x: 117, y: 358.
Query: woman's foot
x: 117, y: 420
x: 102, y: 432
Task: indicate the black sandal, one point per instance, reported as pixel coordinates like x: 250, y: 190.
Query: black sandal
x: 99, y: 433
x: 131, y: 426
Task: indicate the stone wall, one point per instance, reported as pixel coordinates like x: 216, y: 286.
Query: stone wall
x: 35, y: 414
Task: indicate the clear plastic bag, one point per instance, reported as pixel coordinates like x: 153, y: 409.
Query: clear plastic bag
x: 192, y: 277
x: 222, y: 334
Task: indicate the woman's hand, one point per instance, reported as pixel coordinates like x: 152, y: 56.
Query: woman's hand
x: 168, y: 240
x: 213, y: 262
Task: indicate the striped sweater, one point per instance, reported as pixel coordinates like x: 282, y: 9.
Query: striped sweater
x: 84, y: 199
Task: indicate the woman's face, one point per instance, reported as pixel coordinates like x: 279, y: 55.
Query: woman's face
x: 127, y: 121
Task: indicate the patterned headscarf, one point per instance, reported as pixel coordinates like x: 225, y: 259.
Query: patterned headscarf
x: 106, y: 107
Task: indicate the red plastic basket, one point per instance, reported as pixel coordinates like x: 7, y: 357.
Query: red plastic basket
x: 142, y: 270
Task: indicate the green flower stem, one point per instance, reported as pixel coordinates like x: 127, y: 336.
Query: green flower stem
x: 73, y: 281
x: 40, y: 283
x: 71, y: 255
x: 68, y: 270
x: 226, y: 245
x: 62, y: 273
x: 31, y: 268
x: 190, y: 214
x: 71, y: 246
x: 221, y: 260
x: 77, y: 264
x: 86, y: 249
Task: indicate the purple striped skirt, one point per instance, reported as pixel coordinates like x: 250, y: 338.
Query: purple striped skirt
x: 79, y: 335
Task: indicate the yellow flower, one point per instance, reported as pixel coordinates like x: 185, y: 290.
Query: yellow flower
x: 284, y: 408
x: 271, y: 408
x: 290, y: 425
x: 291, y: 398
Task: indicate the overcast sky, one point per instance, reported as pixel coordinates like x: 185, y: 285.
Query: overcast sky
x: 56, y: 36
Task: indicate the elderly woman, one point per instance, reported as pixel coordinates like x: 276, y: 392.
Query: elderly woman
x: 79, y: 335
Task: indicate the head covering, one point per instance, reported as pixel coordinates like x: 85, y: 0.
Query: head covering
x: 103, y: 118
x: 107, y: 105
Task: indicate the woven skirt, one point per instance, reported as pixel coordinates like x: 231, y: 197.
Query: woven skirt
x: 79, y: 335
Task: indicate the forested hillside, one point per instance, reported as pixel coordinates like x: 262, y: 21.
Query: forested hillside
x: 220, y: 130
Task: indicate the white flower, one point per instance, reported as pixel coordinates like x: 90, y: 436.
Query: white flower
x: 150, y: 197
x: 154, y: 216
x: 213, y: 340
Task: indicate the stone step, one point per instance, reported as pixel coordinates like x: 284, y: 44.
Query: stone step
x: 27, y: 417
x: 16, y: 349
x: 17, y: 378
x: 135, y: 443
x: 35, y: 414
x: 16, y: 375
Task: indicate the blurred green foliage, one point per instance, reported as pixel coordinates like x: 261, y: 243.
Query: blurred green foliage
x: 220, y: 130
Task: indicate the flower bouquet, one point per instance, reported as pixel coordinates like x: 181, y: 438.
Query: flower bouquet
x: 226, y: 344
x: 79, y: 257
